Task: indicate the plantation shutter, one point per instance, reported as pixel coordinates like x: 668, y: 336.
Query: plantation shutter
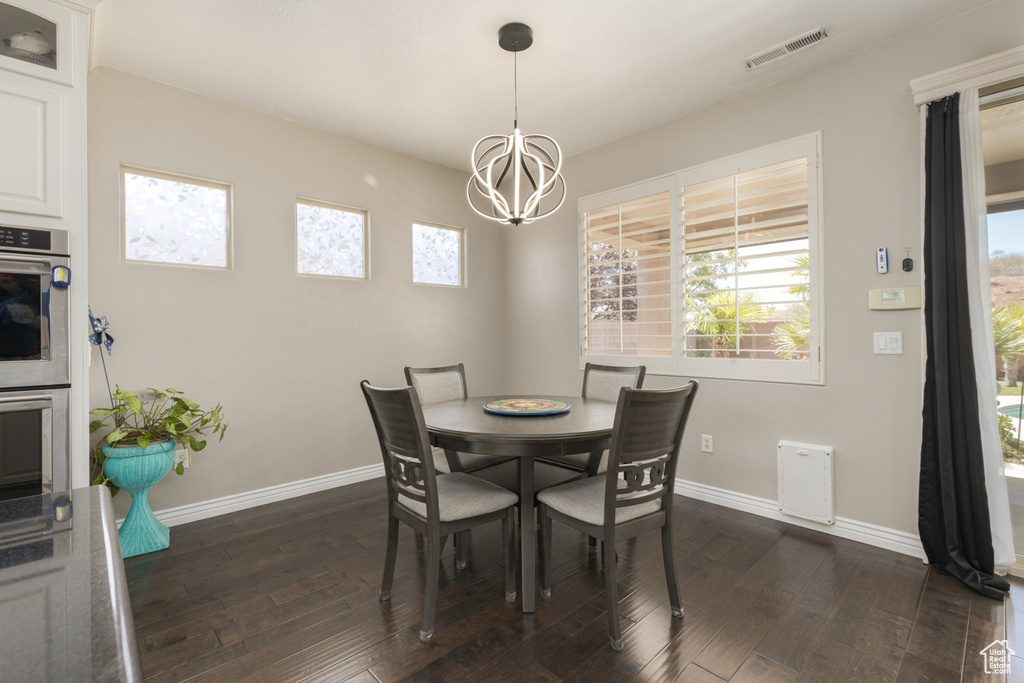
x: 627, y: 278
x: 745, y: 255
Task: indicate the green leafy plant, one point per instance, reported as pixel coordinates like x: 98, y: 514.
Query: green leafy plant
x: 1008, y: 335
x: 790, y: 338
x: 724, y: 314
x: 150, y: 417
x: 1008, y: 437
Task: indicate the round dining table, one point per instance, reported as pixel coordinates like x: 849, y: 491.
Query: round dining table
x: 464, y: 426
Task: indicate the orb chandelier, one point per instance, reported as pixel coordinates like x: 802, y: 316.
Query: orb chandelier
x: 516, y: 178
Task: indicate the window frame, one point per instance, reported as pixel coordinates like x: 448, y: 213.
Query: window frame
x: 319, y: 203
x: 229, y: 227
x: 667, y: 183
x: 462, y: 253
x: 746, y: 369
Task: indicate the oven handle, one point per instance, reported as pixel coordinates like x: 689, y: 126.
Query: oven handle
x: 26, y: 259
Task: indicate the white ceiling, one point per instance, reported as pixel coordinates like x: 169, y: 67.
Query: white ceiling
x: 427, y: 78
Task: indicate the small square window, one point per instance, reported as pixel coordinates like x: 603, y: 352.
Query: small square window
x: 173, y: 219
x: 437, y: 255
x: 331, y: 240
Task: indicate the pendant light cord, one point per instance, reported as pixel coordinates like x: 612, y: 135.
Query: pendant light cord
x: 515, y: 82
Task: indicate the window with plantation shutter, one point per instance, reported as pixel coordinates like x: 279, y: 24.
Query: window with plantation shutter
x: 739, y: 240
x: 746, y: 253
x: 627, y: 275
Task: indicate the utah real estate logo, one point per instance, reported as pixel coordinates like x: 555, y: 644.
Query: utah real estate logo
x: 997, y: 657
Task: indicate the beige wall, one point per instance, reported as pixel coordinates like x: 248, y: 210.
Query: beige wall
x: 284, y: 354
x: 870, y: 408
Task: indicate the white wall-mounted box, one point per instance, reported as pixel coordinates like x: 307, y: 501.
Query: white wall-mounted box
x: 806, y: 482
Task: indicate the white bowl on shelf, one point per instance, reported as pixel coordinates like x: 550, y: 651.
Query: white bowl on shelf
x: 30, y: 42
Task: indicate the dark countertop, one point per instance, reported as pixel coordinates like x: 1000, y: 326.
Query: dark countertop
x: 64, y: 610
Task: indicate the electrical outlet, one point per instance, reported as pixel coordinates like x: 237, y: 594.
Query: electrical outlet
x: 180, y: 455
x: 707, y: 443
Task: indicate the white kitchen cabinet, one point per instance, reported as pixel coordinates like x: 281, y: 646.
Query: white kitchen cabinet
x: 43, y: 165
x: 30, y: 147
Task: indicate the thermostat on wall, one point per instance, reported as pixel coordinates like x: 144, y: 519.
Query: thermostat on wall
x: 894, y: 299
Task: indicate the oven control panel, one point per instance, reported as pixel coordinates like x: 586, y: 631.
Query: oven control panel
x: 24, y: 238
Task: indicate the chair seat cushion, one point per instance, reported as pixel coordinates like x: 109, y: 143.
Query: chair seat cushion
x: 583, y: 499
x: 461, y: 496
x: 468, y: 460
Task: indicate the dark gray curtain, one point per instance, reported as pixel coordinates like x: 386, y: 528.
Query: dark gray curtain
x: 953, y: 517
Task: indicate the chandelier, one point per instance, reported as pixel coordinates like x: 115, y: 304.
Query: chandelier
x: 516, y: 178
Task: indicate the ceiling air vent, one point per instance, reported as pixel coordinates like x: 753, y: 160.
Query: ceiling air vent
x: 787, y: 48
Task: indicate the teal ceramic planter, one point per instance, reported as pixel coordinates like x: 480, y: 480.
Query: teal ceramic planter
x: 137, y: 470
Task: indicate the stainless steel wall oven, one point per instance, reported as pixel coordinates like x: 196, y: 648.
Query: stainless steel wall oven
x: 35, y: 361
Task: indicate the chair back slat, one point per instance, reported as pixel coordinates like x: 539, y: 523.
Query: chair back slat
x: 603, y: 382
x: 434, y: 385
x: 406, y: 474
x: 405, y: 448
x: 645, y: 444
x: 641, y: 480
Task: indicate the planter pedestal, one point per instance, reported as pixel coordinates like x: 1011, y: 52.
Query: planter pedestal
x: 137, y: 470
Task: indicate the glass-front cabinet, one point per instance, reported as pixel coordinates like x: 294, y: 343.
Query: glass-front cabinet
x: 35, y: 39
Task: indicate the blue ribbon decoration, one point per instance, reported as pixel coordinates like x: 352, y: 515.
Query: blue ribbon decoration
x: 100, y: 331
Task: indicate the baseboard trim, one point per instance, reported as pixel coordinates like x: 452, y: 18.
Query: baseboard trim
x: 271, y: 494
x: 852, y: 529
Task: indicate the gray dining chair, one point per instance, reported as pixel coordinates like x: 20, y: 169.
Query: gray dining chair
x: 633, y: 496
x: 447, y: 383
x: 434, y: 505
x: 602, y: 382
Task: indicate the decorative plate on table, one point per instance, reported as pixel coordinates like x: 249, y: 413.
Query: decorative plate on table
x: 526, y: 406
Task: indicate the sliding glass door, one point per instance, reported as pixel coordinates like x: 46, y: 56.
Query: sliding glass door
x: 1002, y: 120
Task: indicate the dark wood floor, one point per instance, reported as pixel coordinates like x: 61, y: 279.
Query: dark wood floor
x: 288, y: 592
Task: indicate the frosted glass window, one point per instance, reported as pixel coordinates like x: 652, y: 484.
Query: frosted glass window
x: 175, y: 219
x: 331, y: 240
x: 436, y: 255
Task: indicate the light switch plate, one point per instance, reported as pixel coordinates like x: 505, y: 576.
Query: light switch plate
x: 888, y: 343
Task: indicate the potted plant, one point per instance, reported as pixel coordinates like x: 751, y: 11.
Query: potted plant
x: 139, y: 450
